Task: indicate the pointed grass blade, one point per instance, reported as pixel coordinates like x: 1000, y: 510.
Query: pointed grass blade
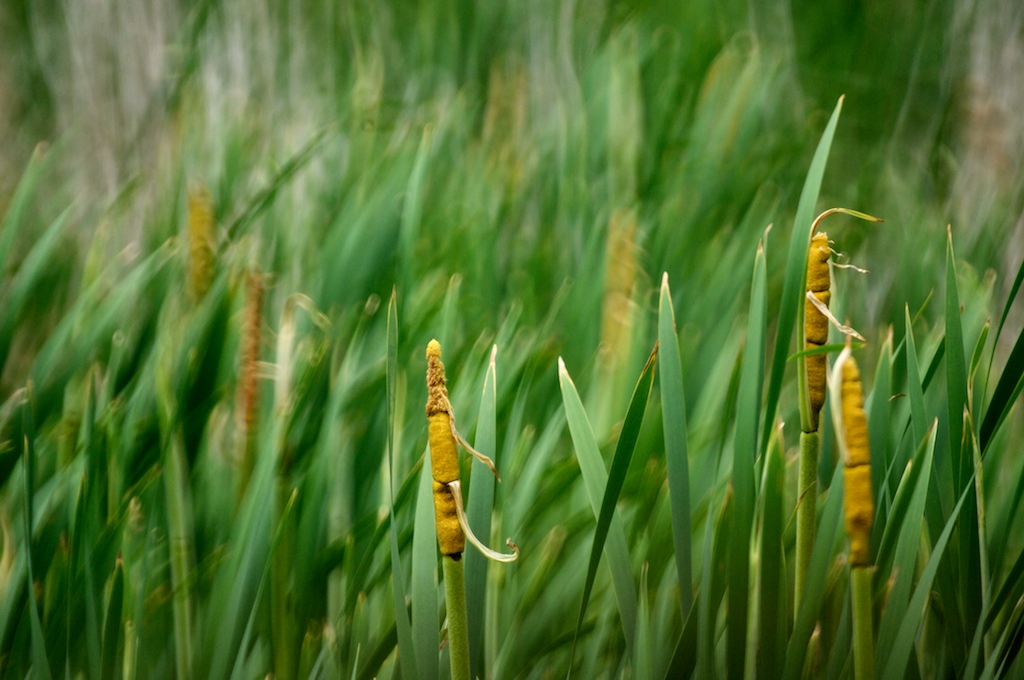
x: 643, y: 630
x: 748, y: 407
x: 713, y: 583
x: 112, y: 640
x: 425, y: 630
x: 595, y: 480
x: 40, y: 662
x: 30, y: 272
x: 673, y: 415
x: 243, y: 649
x: 684, y: 658
x: 826, y: 541
x: 918, y: 419
x: 796, y: 265
x: 1010, y: 382
x: 956, y: 373
x: 968, y: 552
x: 10, y: 221
x: 403, y: 629
x: 903, y: 644
x: 878, y: 414
x: 772, y: 586
x: 617, y: 476
x: 904, y: 527
x: 481, y: 504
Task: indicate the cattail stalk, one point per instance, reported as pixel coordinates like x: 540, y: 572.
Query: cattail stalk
x: 444, y: 467
x: 449, y: 515
x: 815, y: 335
x: 858, y: 505
x: 813, y: 370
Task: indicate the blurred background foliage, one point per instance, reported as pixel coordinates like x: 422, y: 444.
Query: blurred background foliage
x: 523, y: 172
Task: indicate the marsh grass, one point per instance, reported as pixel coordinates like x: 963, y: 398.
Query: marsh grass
x: 510, y: 175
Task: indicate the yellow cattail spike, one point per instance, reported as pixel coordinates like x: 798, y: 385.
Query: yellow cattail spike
x: 817, y: 263
x: 815, y: 323
x: 201, y: 243
x: 858, y: 504
x: 444, y: 461
x: 816, y: 374
x: 855, y: 423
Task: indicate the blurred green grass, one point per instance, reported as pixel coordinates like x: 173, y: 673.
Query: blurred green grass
x: 522, y: 173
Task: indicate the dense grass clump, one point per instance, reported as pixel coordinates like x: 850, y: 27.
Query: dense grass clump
x: 230, y: 229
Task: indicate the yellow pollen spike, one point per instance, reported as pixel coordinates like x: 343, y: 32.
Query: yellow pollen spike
x: 859, y: 509
x: 816, y: 370
x: 854, y: 421
x: 817, y: 263
x: 816, y: 323
x: 444, y: 461
x: 858, y: 504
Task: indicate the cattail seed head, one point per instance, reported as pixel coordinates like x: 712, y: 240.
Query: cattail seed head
x: 444, y: 461
x: 201, y: 243
x: 816, y: 375
x: 852, y: 427
x: 248, y: 389
x: 816, y: 324
x: 817, y: 263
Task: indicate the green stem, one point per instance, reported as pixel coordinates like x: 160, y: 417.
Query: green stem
x: 179, y: 521
x: 285, y: 641
x: 458, y: 629
x: 986, y: 594
x: 807, y: 508
x: 863, y: 638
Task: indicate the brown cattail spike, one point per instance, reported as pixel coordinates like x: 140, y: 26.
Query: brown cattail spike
x: 248, y: 391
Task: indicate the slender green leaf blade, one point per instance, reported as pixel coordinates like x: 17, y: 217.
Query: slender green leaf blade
x: 825, y: 543
x: 956, y: 373
x: 403, y: 629
x: 903, y: 644
x: 595, y: 480
x: 481, y: 503
x: 796, y: 265
x: 424, y: 578
x: 112, y: 625
x: 909, y: 528
x: 673, y: 415
x: 748, y: 404
x: 40, y: 662
x: 771, y: 643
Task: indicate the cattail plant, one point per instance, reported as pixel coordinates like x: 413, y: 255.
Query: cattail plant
x: 449, y: 514
x: 814, y: 369
x: 201, y: 243
x: 248, y: 392
x: 858, y: 507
